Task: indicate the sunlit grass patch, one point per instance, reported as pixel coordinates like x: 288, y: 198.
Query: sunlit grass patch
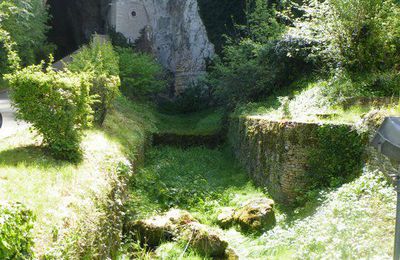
x: 64, y: 196
x: 355, y: 221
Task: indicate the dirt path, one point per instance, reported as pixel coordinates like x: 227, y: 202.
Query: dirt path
x: 10, y: 125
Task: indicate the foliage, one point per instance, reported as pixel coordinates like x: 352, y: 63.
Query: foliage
x: 359, y: 35
x: 9, y: 59
x: 365, y: 206
x: 194, y: 98
x: 100, y: 59
x: 140, y: 73
x: 64, y: 108
x: 337, y: 158
x: 26, y: 23
x: 260, y: 62
x: 16, y: 223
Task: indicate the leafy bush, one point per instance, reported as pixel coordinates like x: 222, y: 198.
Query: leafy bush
x: 140, y: 73
x: 258, y: 63
x: 26, y: 22
x: 100, y: 59
x: 16, y: 223
x: 9, y: 59
x: 57, y: 104
x: 360, y: 35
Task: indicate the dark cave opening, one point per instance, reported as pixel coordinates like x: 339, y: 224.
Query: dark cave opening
x: 73, y: 22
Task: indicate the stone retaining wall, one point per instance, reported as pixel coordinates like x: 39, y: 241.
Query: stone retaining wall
x: 292, y: 158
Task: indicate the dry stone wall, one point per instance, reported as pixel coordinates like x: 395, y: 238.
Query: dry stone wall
x: 292, y: 158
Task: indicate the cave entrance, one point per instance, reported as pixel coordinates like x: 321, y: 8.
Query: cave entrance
x: 74, y: 22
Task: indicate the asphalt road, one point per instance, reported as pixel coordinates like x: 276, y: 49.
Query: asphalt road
x: 10, y: 125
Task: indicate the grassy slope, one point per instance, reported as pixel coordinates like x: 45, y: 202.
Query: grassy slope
x: 61, y: 193
x: 309, y: 103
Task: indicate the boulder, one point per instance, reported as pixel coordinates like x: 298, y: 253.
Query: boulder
x: 205, y: 240
x: 226, y: 218
x: 155, y: 230
x: 256, y: 215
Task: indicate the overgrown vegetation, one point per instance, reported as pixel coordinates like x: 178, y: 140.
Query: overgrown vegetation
x: 26, y: 23
x: 140, y: 73
x: 99, y: 59
x: 337, y: 40
x: 16, y: 223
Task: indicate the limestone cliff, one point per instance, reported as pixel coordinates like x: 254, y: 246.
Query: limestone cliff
x: 178, y: 35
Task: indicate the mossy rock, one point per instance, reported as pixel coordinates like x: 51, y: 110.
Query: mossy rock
x: 205, y: 240
x: 226, y: 217
x: 256, y: 215
x: 153, y: 231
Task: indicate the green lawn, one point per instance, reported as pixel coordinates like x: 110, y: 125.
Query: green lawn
x: 66, y: 197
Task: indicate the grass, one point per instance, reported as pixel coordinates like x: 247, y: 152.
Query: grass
x: 206, y: 122
x: 351, y: 222
x: 355, y: 221
x: 310, y: 103
x: 197, y: 179
x: 62, y: 195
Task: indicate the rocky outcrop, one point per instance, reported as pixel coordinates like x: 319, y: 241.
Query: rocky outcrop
x: 178, y: 35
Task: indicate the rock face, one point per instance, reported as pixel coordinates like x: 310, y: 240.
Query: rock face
x: 178, y: 35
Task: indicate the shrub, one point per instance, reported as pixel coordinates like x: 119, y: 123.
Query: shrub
x: 236, y: 76
x: 360, y: 35
x: 248, y: 69
x: 9, y: 59
x: 100, y: 59
x: 57, y: 104
x: 16, y: 223
x: 140, y: 73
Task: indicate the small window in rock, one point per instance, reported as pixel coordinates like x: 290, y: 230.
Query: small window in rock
x: 133, y: 13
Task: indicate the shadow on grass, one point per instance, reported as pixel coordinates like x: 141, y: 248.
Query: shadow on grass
x: 29, y: 156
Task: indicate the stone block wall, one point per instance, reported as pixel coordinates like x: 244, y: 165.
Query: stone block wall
x: 291, y: 158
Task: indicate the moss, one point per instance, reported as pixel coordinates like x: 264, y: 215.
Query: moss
x: 292, y: 159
